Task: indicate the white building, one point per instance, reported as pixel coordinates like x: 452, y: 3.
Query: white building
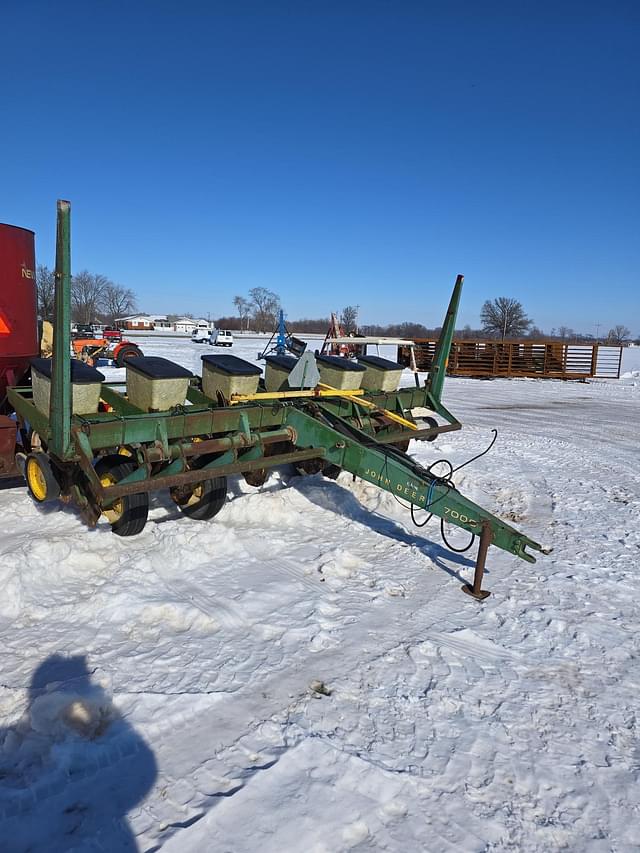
x: 144, y: 322
x: 160, y: 321
x: 135, y: 321
x: 185, y: 324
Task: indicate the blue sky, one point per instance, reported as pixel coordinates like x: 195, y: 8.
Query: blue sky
x: 335, y: 152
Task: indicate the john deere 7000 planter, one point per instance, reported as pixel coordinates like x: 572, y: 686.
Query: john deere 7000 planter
x: 108, y: 462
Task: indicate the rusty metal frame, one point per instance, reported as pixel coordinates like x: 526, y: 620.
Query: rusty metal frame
x: 485, y: 357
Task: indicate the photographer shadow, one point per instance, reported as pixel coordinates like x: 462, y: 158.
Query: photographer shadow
x: 71, y: 768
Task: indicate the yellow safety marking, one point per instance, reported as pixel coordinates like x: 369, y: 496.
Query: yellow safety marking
x: 369, y: 405
x: 288, y: 395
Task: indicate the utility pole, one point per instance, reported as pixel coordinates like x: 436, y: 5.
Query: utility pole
x: 598, y: 332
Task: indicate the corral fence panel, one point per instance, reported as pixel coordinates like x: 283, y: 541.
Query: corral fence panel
x: 551, y: 359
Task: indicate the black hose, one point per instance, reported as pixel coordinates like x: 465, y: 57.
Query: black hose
x: 473, y: 458
x: 449, y: 545
x: 420, y: 523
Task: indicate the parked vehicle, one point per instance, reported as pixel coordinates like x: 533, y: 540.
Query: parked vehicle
x: 83, y: 330
x: 221, y: 338
x: 110, y: 333
x: 200, y: 335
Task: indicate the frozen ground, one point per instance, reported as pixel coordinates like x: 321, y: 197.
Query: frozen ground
x: 158, y: 692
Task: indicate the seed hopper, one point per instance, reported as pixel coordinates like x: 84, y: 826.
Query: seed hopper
x: 169, y: 430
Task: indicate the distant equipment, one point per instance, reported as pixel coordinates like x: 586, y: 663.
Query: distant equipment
x: 284, y: 341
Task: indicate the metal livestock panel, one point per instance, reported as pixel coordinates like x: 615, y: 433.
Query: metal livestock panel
x: 551, y: 359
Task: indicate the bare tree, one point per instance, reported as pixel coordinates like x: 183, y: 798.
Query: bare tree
x: 265, y: 306
x: 243, y: 307
x: 466, y: 333
x: 116, y: 301
x: 45, y: 287
x: 618, y: 335
x: 86, y: 295
x: 504, y: 317
x: 536, y: 333
x: 565, y: 332
x: 349, y: 319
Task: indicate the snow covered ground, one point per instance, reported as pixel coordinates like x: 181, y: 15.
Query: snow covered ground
x: 303, y: 672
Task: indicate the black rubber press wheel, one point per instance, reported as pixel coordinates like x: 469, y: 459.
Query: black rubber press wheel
x: 128, y: 514
x: 201, y: 501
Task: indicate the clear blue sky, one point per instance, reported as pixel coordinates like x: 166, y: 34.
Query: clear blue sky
x: 335, y: 152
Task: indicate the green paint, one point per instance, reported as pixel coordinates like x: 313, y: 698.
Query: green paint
x: 438, y: 370
x: 60, y: 400
x: 243, y: 427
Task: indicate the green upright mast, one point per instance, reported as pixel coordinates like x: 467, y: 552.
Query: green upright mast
x: 60, y: 400
x: 438, y: 369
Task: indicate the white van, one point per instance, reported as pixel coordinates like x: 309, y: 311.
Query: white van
x: 200, y: 335
x: 221, y: 338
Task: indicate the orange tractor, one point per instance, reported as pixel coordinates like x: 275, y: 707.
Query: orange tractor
x: 91, y: 349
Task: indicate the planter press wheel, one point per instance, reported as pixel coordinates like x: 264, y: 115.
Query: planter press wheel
x: 201, y: 501
x: 316, y: 466
x: 403, y: 445
x: 308, y: 467
x: 432, y: 423
x: 127, y: 514
x: 258, y: 477
x: 41, y: 482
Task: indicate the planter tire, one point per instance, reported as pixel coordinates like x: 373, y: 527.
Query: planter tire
x: 128, y: 514
x: 41, y: 482
x: 201, y: 501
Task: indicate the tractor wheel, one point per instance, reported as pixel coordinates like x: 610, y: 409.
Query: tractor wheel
x: 125, y: 352
x: 127, y: 514
x: 41, y: 482
x: 201, y: 501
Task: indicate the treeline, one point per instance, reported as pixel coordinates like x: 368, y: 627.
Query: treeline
x: 614, y: 337
x: 94, y: 297
x: 301, y: 327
